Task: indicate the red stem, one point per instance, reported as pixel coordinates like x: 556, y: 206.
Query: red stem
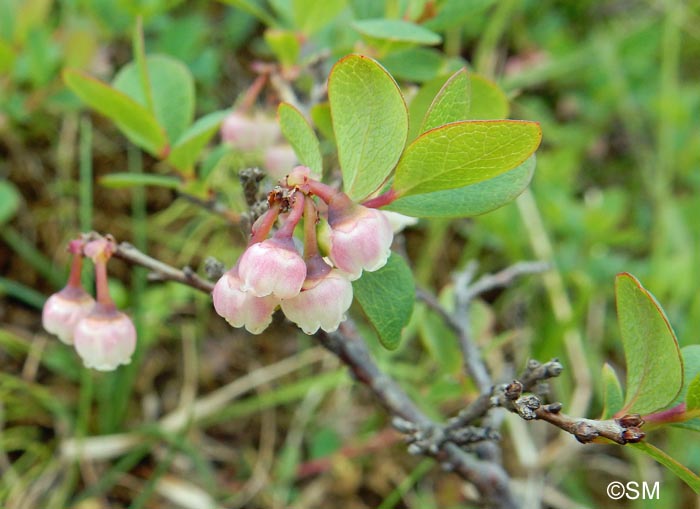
x: 287, y: 229
x: 264, y: 224
x: 310, y: 219
x: 76, y: 269
x: 673, y: 414
x: 252, y: 93
x: 323, y: 191
x: 381, y: 200
x: 103, y: 296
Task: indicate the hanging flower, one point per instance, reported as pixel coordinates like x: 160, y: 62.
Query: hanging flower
x: 106, y: 338
x: 64, y: 309
x: 360, y: 240
x: 272, y: 267
x: 241, y: 308
x: 322, y: 303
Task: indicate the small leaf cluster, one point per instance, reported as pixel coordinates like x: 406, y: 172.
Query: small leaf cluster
x: 663, y: 380
x: 152, y: 101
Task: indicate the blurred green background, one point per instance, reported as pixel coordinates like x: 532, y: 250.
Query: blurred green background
x: 208, y: 416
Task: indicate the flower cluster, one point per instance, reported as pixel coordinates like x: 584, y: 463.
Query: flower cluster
x: 103, y: 336
x: 312, y: 284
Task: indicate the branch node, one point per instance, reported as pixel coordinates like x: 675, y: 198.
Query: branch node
x: 403, y: 426
x: 553, y: 408
x: 415, y: 450
x: 533, y: 364
x: 213, y: 268
x: 585, y: 432
x: 630, y: 421
x: 554, y: 368
x: 526, y: 406
x: 633, y: 435
x: 250, y: 181
x: 513, y: 390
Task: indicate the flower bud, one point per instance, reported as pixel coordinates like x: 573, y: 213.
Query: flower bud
x: 99, y: 250
x: 105, y: 338
x: 272, y: 266
x: 64, y: 309
x: 322, y: 303
x: 249, y: 133
x: 242, y: 309
x: 360, y: 240
x: 278, y: 160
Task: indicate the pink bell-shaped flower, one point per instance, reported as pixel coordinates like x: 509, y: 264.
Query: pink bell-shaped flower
x: 64, y: 309
x: 240, y: 308
x: 272, y: 267
x: 278, y: 159
x: 105, y: 339
x: 360, y: 240
x: 249, y: 133
x: 322, y: 303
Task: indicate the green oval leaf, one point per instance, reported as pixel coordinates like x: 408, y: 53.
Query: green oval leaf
x: 284, y: 44
x: 453, y: 13
x: 134, y: 120
x: 451, y: 104
x: 171, y: 89
x: 691, y: 369
x: 692, y: 399
x: 253, y: 8
x: 417, y: 64
x: 187, y: 149
x: 488, y: 102
x: 301, y: 137
x: 395, y: 31
x: 370, y: 122
x: 321, y: 116
x: 310, y: 16
x: 654, y: 362
x: 387, y: 296
x: 122, y: 180
x: 464, y: 153
x: 613, y: 397
x: 9, y: 201
x: 420, y: 103
x: 471, y: 200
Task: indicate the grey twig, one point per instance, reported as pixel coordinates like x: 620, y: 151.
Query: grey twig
x: 513, y: 397
x: 163, y: 271
x: 466, y: 290
x: 503, y: 278
x: 425, y: 436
